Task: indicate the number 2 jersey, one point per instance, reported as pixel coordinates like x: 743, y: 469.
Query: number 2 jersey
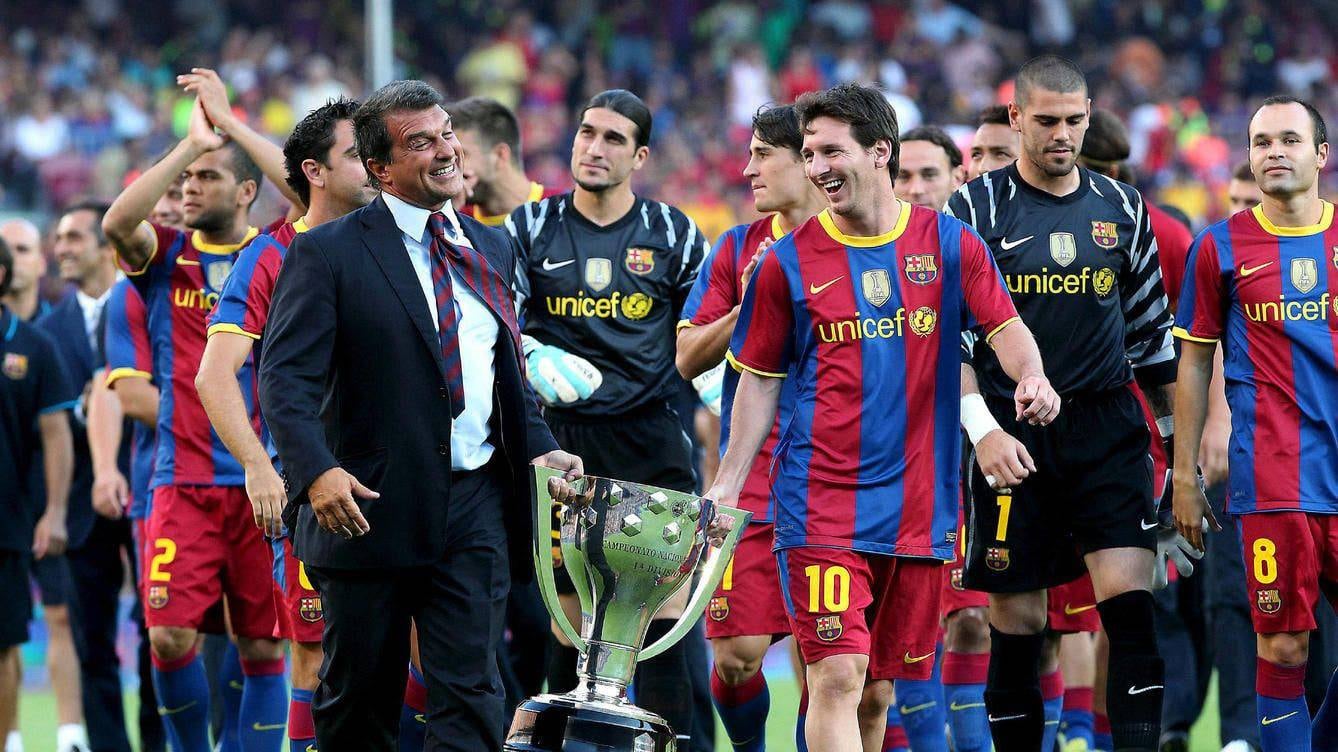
x: 1270, y: 295
x: 868, y: 328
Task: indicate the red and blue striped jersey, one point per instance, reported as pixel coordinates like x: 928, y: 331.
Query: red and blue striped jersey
x: 126, y: 344
x: 868, y: 330
x: 1270, y: 295
x: 717, y: 291
x: 243, y: 306
x: 180, y: 284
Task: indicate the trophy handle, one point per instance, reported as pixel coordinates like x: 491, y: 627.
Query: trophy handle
x: 713, y: 571
x: 543, y: 554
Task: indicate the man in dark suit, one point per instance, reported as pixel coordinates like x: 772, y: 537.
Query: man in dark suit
x: 391, y: 380
x: 97, y: 543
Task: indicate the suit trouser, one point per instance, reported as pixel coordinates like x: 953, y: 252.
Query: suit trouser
x: 98, y: 573
x: 459, y: 606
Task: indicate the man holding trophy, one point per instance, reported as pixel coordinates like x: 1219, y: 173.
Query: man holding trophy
x: 863, y: 307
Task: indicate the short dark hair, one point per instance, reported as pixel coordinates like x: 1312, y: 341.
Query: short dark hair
x: 864, y: 108
x: 938, y: 137
x: 995, y: 114
x: 1316, y: 119
x: 1243, y: 172
x: 493, y: 121
x: 370, y: 133
x: 624, y: 103
x: 1051, y: 73
x: 6, y: 264
x: 1107, y: 140
x: 243, y: 167
x: 99, y: 210
x: 778, y: 126
x: 312, y: 138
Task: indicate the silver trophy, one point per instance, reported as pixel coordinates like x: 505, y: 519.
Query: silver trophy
x: 628, y: 548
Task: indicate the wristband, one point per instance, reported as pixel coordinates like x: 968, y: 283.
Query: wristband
x: 976, y: 418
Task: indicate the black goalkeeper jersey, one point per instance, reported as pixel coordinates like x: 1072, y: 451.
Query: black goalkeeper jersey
x: 1083, y: 273
x: 610, y: 294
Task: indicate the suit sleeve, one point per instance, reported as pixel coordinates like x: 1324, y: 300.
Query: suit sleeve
x: 295, y: 363
x: 716, y: 291
x: 763, y: 340
x: 1201, y: 313
x: 1147, y: 318
x: 54, y: 390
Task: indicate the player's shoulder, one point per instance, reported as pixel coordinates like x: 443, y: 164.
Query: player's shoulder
x: 661, y: 216
x: 1119, y: 195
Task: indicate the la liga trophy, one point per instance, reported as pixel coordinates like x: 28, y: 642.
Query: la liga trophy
x: 628, y: 548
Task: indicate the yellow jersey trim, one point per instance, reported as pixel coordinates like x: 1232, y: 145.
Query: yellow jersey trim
x: 1000, y: 328
x: 859, y: 241
x: 230, y: 329
x: 116, y: 374
x: 1183, y: 333
x: 1325, y: 219
x: 154, y: 252
x: 493, y: 220
x: 221, y: 249
x: 684, y: 324
x: 741, y: 367
x: 777, y: 232
x: 301, y: 224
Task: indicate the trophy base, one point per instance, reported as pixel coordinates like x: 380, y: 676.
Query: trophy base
x: 561, y: 723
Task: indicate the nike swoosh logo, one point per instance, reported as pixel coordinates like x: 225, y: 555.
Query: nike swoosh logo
x: 1007, y: 246
x: 1146, y: 526
x: 1141, y: 690
x: 965, y: 706
x: 1270, y: 721
x: 815, y: 289
x: 420, y: 718
x: 1070, y: 610
x: 550, y: 266
x: 1246, y: 271
x: 908, y: 659
x: 997, y: 719
x: 234, y: 684
x: 257, y: 726
x: 172, y: 711
x: 312, y: 748
x: 917, y: 708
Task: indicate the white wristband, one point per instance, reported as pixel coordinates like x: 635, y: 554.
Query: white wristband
x: 976, y: 418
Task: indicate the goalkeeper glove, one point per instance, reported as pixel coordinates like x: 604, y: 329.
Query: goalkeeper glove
x: 710, y: 388
x: 557, y: 376
x: 1173, y: 548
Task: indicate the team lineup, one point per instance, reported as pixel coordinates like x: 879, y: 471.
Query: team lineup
x: 963, y: 397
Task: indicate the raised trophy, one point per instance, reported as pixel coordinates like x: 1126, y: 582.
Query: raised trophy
x: 628, y: 548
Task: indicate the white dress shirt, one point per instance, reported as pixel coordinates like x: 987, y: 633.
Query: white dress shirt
x: 477, y: 330
x: 92, y: 310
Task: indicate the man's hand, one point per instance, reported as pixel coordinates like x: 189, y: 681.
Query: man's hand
x: 710, y: 387
x: 1213, y: 451
x: 718, y: 530
x: 1036, y: 401
x: 572, y: 469
x: 1003, y: 460
x: 50, y: 536
x: 111, y: 493
x: 1172, y: 546
x: 747, y: 275
x: 333, y: 497
x: 211, y: 93
x: 557, y: 376
x: 1191, y: 511
x: 200, y: 131
x: 723, y: 496
x: 265, y: 489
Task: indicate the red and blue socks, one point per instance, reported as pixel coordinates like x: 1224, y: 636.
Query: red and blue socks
x: 1284, y: 719
x: 301, y: 728
x: 743, y: 710
x: 1075, y: 722
x: 1101, y: 740
x: 413, y: 715
x: 1052, y: 699
x: 964, y: 676
x: 924, y: 714
x: 183, y: 701
x: 231, y: 682
x: 263, y: 714
x: 894, y: 736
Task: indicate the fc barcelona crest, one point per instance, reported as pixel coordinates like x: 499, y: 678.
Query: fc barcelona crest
x: 1106, y: 234
x: 829, y: 628
x: 1305, y: 274
x: 640, y: 260
x: 1268, y: 601
x: 877, y: 286
x: 921, y: 269
x: 996, y: 559
x: 719, y: 608
x: 1063, y: 248
x: 598, y: 273
x: 309, y: 608
x: 157, y: 596
x: 15, y: 366
x: 956, y: 576
x: 216, y: 273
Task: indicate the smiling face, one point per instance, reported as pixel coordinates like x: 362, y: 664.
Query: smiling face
x: 424, y: 167
x: 993, y: 147
x: 926, y: 176
x: 77, y: 249
x: 846, y: 172
x: 1283, y: 155
x: 776, y: 176
x: 604, y: 153
x: 1052, y: 125
x: 477, y: 165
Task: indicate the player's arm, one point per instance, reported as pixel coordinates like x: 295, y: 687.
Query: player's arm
x: 138, y: 397
x: 1148, y: 343
x: 123, y: 223
x: 50, y: 536
x: 755, y: 403
x: 111, y: 492
x: 1191, y: 401
x: 213, y: 94
x: 712, y: 308
x: 1217, y: 429
x: 225, y: 353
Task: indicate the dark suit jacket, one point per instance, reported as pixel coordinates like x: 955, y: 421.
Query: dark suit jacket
x: 351, y: 374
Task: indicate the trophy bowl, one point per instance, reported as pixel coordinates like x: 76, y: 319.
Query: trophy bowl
x: 628, y: 548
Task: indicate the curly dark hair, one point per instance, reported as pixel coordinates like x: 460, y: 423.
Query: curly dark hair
x: 312, y: 138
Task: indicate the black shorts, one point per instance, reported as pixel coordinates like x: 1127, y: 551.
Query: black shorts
x: 1092, y: 491
x: 52, y: 575
x: 16, y: 594
x: 647, y: 446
